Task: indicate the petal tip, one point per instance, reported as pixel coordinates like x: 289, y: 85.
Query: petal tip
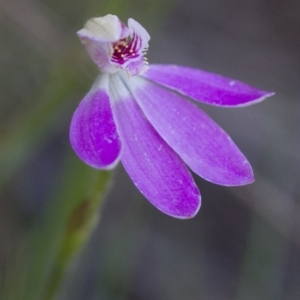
x: 100, y: 165
x: 267, y: 95
x: 191, y: 214
x: 248, y: 178
x: 263, y: 95
x: 186, y: 210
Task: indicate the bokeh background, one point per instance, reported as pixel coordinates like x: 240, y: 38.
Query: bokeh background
x: 243, y: 244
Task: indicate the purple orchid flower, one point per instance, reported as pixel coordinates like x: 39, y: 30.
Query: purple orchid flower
x: 142, y: 119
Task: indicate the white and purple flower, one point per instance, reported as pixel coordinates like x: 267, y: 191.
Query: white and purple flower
x: 142, y: 119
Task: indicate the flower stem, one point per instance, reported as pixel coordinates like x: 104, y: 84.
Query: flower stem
x: 80, y: 224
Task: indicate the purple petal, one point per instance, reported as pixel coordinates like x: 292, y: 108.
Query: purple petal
x: 93, y: 133
x: 199, y: 141
x: 156, y: 170
x: 204, y: 86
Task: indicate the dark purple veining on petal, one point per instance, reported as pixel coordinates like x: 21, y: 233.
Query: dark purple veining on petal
x: 126, y: 49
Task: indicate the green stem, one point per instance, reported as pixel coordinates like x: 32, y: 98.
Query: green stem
x: 81, y: 222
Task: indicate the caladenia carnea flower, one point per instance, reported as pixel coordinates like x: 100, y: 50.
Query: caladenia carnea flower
x: 138, y: 114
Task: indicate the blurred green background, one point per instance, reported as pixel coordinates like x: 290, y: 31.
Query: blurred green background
x: 244, y: 243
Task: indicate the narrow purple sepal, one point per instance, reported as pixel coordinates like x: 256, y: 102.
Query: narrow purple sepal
x: 198, y: 140
x: 156, y: 170
x: 205, y: 86
x: 93, y: 133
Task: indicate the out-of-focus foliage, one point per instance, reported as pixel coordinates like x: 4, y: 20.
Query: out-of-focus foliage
x: 244, y: 243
